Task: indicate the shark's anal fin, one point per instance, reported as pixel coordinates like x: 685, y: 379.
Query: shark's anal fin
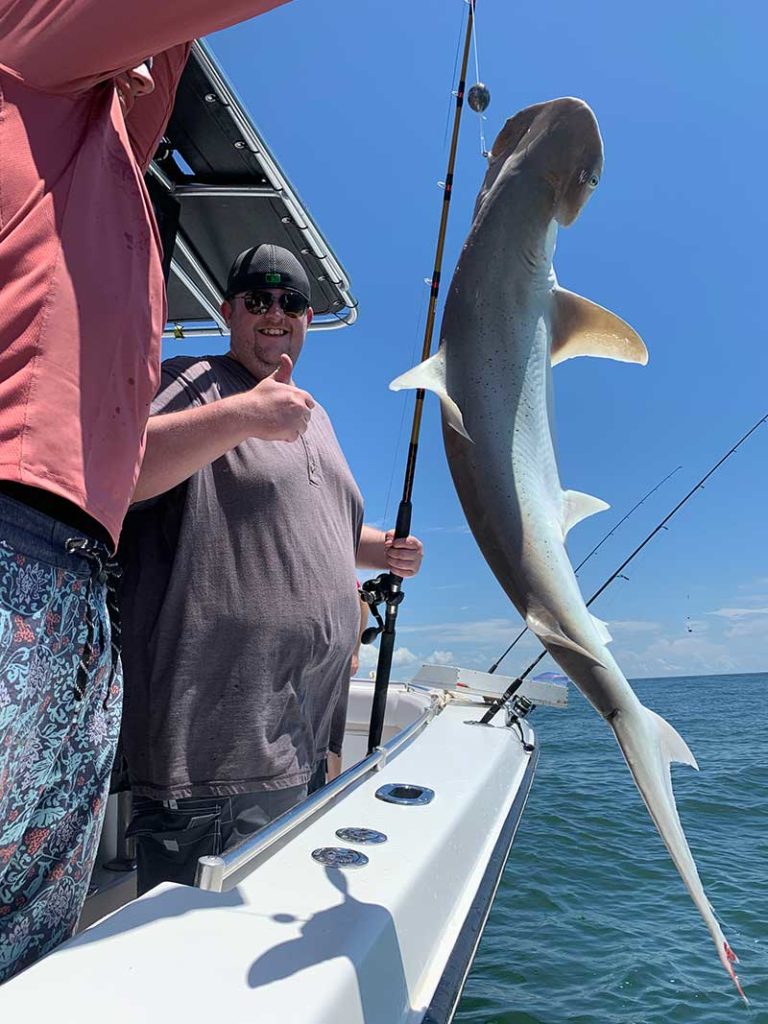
x: 602, y: 630
x: 430, y: 375
x: 578, y: 506
x: 582, y: 328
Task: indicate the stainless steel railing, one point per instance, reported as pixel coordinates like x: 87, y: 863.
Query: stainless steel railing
x: 213, y: 872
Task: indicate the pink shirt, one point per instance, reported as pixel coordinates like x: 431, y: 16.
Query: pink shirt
x: 82, y: 302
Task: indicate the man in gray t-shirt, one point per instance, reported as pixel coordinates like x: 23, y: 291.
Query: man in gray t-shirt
x: 239, y: 596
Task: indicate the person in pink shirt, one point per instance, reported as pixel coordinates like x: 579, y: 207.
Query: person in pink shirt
x: 82, y: 306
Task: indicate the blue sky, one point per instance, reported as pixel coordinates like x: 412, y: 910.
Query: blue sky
x: 354, y: 100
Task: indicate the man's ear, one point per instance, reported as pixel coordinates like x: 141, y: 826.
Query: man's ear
x: 226, y: 311
x: 310, y: 314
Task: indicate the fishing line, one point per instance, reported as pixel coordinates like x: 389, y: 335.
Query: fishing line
x: 584, y: 561
x: 499, y: 702
x: 453, y: 78
x: 386, y: 588
x: 476, y: 90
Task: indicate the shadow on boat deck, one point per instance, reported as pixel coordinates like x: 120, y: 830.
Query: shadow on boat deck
x: 170, y: 903
x: 380, y: 970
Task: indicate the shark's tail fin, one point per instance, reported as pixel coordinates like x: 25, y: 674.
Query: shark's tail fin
x: 649, y: 745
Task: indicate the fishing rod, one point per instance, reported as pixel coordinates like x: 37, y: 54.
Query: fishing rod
x: 499, y: 702
x: 387, y: 589
x: 584, y: 561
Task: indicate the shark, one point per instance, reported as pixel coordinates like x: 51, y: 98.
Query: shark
x: 506, y: 323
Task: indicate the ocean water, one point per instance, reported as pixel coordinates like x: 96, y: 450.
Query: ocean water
x: 591, y: 923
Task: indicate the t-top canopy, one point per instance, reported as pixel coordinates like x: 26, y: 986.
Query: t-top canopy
x: 217, y: 190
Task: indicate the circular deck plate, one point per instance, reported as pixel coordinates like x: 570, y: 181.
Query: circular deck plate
x: 339, y: 857
x: 361, y: 835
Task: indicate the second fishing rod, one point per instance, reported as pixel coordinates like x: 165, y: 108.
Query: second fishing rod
x: 499, y: 702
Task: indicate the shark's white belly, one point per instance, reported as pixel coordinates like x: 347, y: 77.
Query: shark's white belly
x: 509, y: 485
x: 502, y: 387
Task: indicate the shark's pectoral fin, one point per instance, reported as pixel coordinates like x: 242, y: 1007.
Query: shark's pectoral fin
x: 550, y: 632
x: 582, y: 328
x: 430, y: 375
x: 578, y: 506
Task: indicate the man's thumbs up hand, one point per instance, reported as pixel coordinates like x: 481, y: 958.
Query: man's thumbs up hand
x: 277, y: 410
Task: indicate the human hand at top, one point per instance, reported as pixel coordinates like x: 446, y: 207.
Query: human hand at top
x: 276, y: 410
x: 404, y: 554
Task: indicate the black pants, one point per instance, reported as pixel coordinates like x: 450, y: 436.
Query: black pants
x: 171, y: 834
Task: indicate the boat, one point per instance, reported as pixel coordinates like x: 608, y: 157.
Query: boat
x: 367, y: 901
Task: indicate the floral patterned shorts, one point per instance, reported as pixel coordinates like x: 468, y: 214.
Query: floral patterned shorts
x: 60, y: 700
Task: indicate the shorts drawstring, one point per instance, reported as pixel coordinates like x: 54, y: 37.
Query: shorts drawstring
x: 106, y: 571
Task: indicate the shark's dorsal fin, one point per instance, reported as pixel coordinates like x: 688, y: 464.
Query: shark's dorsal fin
x: 430, y: 375
x: 578, y: 506
x: 582, y: 328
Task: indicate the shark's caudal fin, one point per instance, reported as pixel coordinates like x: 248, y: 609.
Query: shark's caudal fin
x: 650, y: 745
x: 430, y: 375
x: 582, y: 328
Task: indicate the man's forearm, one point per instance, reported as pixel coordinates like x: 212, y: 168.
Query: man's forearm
x: 371, y: 552
x: 181, y: 443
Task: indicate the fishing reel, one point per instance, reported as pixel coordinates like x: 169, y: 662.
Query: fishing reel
x: 516, y: 710
x: 384, y: 589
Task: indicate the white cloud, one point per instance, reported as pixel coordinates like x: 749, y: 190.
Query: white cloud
x: 479, y: 631
x: 739, y: 613
x: 441, y: 658
x: 369, y: 656
x: 749, y: 627
x: 633, y: 626
x: 402, y: 656
x: 761, y: 581
x: 688, y: 654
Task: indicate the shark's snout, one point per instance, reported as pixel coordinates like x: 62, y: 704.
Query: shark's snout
x: 557, y: 142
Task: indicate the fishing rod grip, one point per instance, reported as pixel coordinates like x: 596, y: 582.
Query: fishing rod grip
x: 403, y: 522
x: 381, y: 686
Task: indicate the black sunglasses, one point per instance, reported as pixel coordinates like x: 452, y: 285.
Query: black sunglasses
x: 259, y: 302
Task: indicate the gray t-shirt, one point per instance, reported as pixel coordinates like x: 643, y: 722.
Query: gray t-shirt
x: 240, y: 608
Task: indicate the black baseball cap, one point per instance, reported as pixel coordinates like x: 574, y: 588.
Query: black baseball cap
x: 267, y: 266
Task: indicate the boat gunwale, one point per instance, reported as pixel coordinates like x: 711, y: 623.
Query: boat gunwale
x: 445, y: 1000
x: 213, y: 872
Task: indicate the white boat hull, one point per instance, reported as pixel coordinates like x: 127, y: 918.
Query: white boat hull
x: 295, y: 942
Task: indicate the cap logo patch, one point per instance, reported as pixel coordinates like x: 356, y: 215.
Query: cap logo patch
x: 273, y: 278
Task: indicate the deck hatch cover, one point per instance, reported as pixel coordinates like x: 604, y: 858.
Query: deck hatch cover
x: 405, y: 793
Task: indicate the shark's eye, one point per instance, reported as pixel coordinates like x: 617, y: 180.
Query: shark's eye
x: 594, y: 181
